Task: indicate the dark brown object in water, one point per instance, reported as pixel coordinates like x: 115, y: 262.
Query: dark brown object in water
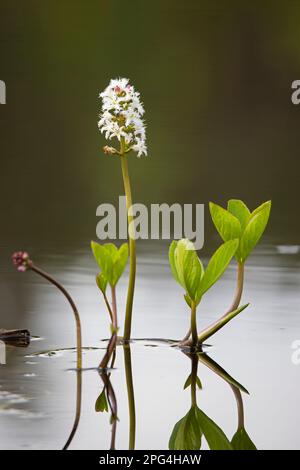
x: 19, y: 338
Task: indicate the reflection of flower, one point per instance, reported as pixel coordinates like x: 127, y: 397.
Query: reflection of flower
x: 121, y: 115
x: 21, y: 260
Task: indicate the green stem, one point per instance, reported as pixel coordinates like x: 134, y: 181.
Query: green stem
x: 132, y: 250
x: 73, y: 306
x: 194, y: 324
x: 130, y: 394
x: 113, y: 340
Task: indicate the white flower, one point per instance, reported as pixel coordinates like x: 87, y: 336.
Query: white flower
x: 121, y: 115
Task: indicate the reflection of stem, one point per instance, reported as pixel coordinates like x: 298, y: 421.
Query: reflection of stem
x: 194, y: 371
x: 78, y: 409
x: 240, y: 406
x: 194, y: 324
x: 130, y: 393
x: 113, y: 340
x: 132, y: 251
x: 74, y: 308
x: 217, y: 369
x: 112, y: 401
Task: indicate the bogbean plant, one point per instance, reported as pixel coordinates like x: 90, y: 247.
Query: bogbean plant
x: 121, y: 118
x: 241, y: 230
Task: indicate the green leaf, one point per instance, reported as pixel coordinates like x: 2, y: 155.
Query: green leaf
x: 186, y: 266
x: 226, y: 223
x: 119, y: 262
x: 111, y: 260
x: 242, y: 441
x: 198, y: 382
x: 103, y: 258
x: 101, y: 282
x: 254, y: 230
x: 214, y: 435
x: 239, y: 209
x: 217, y: 265
x: 172, y: 260
x: 101, y: 403
x: 186, y: 434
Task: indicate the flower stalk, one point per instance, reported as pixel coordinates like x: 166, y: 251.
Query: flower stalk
x: 23, y: 263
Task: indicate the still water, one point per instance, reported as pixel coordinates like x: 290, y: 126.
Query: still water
x: 39, y: 393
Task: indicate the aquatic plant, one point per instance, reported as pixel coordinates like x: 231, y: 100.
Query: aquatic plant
x: 188, y: 431
x: 22, y: 262
x: 121, y: 118
x: 189, y: 272
x: 112, y: 262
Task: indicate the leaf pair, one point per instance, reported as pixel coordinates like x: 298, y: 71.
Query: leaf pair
x: 189, y: 272
x: 187, y: 433
x: 111, y: 261
x: 237, y: 222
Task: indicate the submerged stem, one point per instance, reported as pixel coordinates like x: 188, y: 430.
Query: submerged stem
x: 132, y: 250
x: 73, y: 306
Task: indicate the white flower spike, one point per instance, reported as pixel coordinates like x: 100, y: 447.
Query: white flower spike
x: 121, y: 115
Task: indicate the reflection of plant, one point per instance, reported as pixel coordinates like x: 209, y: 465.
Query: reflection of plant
x: 121, y: 118
x: 112, y: 262
x: 189, y: 272
x: 107, y: 399
x: 23, y: 263
x: 241, y: 439
x: 187, y: 433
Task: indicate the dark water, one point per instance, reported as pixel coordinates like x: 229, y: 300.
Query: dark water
x: 38, y: 393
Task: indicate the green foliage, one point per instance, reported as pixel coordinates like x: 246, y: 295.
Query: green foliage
x: 242, y: 441
x: 112, y: 262
x: 101, y: 404
x: 238, y: 222
x: 187, y: 433
x: 188, y: 382
x: 101, y: 282
x: 188, y: 270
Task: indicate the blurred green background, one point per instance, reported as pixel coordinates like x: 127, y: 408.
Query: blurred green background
x: 215, y: 78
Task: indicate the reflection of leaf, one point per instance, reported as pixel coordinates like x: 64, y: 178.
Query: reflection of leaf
x: 186, y: 434
x: 101, y: 402
x: 214, y: 435
x: 242, y: 441
x: 188, y: 431
x: 189, y: 381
